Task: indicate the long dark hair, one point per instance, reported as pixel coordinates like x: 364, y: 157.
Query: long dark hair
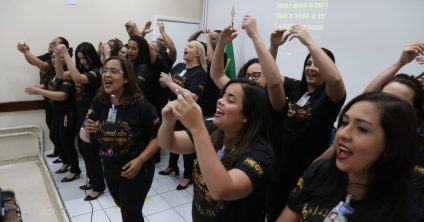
x: 303, y: 86
x: 390, y: 173
x: 256, y: 110
x: 131, y: 91
x: 143, y: 56
x: 90, y: 54
x: 414, y: 85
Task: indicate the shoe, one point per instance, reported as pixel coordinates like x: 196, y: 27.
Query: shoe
x: 86, y: 187
x: 64, y: 170
x: 181, y: 187
x: 169, y: 170
x: 57, y: 160
x: 90, y: 198
x: 66, y: 179
x: 51, y: 155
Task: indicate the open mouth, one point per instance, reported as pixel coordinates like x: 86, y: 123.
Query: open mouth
x: 219, y: 113
x: 107, y: 83
x: 343, y: 153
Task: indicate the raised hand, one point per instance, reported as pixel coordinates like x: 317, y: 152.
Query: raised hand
x: 227, y: 35
x: 147, y: 27
x: 61, y: 48
x: 302, y: 34
x: 167, y: 112
x: 188, y: 112
x: 278, y: 38
x: 161, y: 26
x: 22, y: 47
x: 249, y: 23
x: 33, y: 90
x: 165, y: 79
x: 410, y: 52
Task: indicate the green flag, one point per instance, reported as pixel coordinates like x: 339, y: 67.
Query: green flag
x: 230, y: 64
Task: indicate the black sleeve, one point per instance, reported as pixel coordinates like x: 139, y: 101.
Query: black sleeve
x: 67, y: 87
x: 94, y: 78
x: 297, y: 197
x: 92, y: 113
x: 256, y: 163
x: 197, y: 85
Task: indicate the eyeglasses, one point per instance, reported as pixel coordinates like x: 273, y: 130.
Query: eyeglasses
x: 113, y: 71
x: 253, y: 75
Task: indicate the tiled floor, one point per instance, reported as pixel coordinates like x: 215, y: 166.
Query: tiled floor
x: 163, y: 202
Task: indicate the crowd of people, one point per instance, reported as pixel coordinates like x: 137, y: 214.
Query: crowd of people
x: 255, y: 148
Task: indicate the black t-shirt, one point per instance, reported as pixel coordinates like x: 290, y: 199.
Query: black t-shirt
x: 193, y: 79
x: 46, y: 76
x: 58, y: 85
x: 418, y: 169
x: 256, y: 163
x: 301, y: 202
x: 211, y: 93
x: 85, y: 93
x: 144, y: 76
x: 159, y: 96
x: 307, y: 126
x: 125, y: 138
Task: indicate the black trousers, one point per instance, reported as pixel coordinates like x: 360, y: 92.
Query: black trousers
x: 129, y: 194
x: 188, y: 163
x: 63, y: 134
x: 93, y: 165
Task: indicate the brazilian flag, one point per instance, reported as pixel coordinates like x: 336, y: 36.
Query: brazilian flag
x: 230, y: 64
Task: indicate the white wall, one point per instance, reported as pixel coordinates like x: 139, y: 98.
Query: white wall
x: 365, y: 36
x: 38, y: 22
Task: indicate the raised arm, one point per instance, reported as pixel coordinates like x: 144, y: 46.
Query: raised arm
x: 174, y: 141
x: 132, y: 29
x: 222, y: 184
x: 408, y: 54
x: 146, y: 29
x: 165, y: 80
x: 196, y: 34
x: 288, y: 216
x: 72, y: 69
x: 274, y: 79
x: 172, y: 53
x: 31, y: 58
x: 217, y: 66
x: 334, y: 85
x: 53, y: 95
x: 277, y: 38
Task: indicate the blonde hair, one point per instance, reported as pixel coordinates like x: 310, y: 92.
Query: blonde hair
x: 202, y: 54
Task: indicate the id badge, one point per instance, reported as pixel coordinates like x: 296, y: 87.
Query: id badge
x: 340, y: 212
x: 221, y: 152
x: 111, y: 117
x: 303, y: 100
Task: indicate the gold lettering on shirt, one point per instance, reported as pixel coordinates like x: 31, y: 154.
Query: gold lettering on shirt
x: 254, y: 165
x: 419, y: 169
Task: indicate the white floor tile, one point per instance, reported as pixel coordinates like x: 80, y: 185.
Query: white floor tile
x: 79, y: 206
x: 185, y: 211
x: 71, y: 193
x: 177, y: 197
x: 167, y: 215
x: 106, y: 200
x: 98, y: 216
x: 157, y: 176
x: 154, y: 205
x: 152, y: 192
x: 114, y: 214
x: 164, y: 185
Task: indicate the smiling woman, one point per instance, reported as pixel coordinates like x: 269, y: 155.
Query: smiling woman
x: 124, y: 124
x: 375, y: 142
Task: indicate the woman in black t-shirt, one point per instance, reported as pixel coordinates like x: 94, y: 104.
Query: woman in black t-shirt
x: 85, y: 72
x: 234, y: 159
x: 124, y: 125
x: 375, y: 144
x: 189, y: 77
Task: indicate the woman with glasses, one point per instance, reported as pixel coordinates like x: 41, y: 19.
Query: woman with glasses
x: 124, y: 125
x: 187, y: 77
x: 85, y: 72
